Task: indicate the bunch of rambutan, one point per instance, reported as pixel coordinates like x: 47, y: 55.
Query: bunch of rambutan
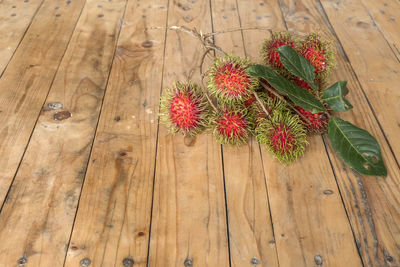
x: 234, y: 106
x: 279, y: 102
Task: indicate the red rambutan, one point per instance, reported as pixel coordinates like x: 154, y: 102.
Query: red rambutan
x: 320, y: 54
x: 231, y: 127
x: 184, y: 109
x: 229, y: 80
x: 317, y: 122
x: 269, y: 54
x: 283, y: 135
x: 303, y: 84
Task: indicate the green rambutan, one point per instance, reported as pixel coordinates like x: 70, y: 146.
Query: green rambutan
x: 321, y: 54
x: 184, y: 109
x: 269, y: 54
x: 231, y: 127
x: 317, y: 123
x: 283, y: 135
x: 229, y: 80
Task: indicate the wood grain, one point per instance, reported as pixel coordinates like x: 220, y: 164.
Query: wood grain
x: 15, y: 18
x: 26, y: 82
x: 373, y: 242
x: 376, y: 67
x: 386, y: 16
x: 37, y: 218
x: 310, y: 226
x: 251, y: 236
x: 189, y: 219
x: 374, y: 224
x: 117, y: 195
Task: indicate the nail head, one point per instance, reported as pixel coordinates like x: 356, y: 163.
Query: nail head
x: 85, y: 262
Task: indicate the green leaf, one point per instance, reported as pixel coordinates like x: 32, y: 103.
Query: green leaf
x: 334, y: 97
x: 356, y: 147
x: 299, y: 96
x: 297, y: 65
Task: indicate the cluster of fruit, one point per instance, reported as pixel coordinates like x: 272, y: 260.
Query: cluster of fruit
x: 280, y: 101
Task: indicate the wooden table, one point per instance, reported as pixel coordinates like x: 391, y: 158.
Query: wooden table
x: 88, y: 178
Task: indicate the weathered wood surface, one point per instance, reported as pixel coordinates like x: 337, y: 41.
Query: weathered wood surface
x: 26, y: 82
x: 310, y: 226
x: 152, y: 199
x: 386, y: 15
x: 117, y: 196
x: 373, y: 60
x: 189, y: 217
x: 251, y: 236
x: 15, y: 19
x: 37, y: 217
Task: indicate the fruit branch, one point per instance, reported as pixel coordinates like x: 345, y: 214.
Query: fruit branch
x: 203, y: 38
x: 284, y: 100
x: 233, y: 83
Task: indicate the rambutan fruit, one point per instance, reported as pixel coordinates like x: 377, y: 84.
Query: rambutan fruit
x: 317, y: 122
x: 229, y: 80
x: 283, y: 135
x: 231, y: 127
x: 320, y: 81
x: 184, y: 109
x: 303, y: 84
x: 269, y: 54
x: 321, y: 54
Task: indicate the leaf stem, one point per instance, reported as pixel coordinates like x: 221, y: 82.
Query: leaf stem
x: 284, y: 100
x: 261, y: 104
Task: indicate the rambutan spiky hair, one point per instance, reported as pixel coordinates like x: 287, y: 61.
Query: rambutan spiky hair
x: 320, y: 53
x: 184, y: 109
x: 317, y: 123
x: 229, y: 80
x: 271, y: 104
x: 321, y: 82
x: 283, y: 135
x: 269, y: 54
x: 231, y: 127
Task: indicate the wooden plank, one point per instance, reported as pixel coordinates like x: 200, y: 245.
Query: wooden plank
x: 251, y: 234
x: 37, y: 218
x: 306, y: 16
x: 310, y: 225
x: 372, y: 59
x: 116, y: 198
x: 15, y: 18
x: 386, y: 15
x: 189, y: 219
x: 26, y: 82
x: 371, y: 203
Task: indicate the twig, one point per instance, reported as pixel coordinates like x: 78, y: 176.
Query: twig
x: 202, y: 80
x: 261, y: 104
x: 284, y: 100
x: 203, y: 38
x: 237, y: 29
x: 209, y: 45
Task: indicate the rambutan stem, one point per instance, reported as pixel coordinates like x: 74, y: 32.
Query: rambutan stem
x: 202, y: 80
x: 284, y: 100
x: 209, y: 45
x: 261, y: 104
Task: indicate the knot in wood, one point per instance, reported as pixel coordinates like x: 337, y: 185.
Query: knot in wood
x: 328, y: 192
x: 147, y: 44
x: 62, y: 115
x: 189, y: 140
